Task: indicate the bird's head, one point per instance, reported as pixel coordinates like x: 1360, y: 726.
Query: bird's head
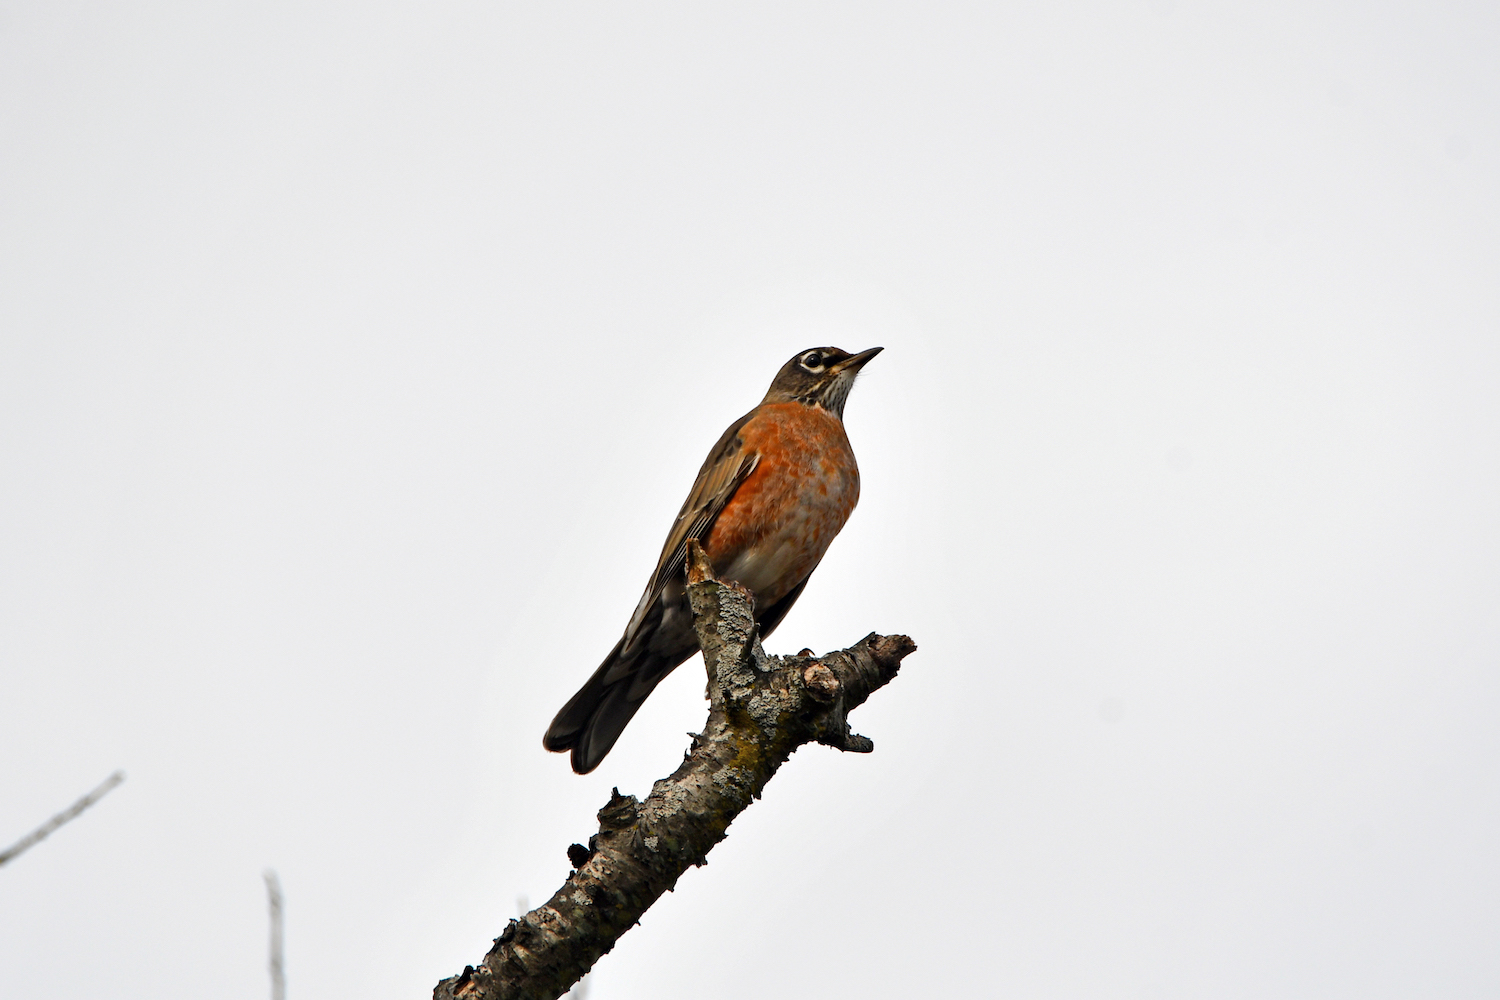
x: 821, y: 376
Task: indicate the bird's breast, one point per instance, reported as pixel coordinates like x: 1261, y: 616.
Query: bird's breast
x: 781, y: 520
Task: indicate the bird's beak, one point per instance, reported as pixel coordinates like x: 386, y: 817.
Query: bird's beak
x: 855, y: 362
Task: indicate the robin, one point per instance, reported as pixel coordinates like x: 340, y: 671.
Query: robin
x: 773, y: 492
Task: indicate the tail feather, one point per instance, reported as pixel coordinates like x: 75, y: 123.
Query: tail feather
x: 593, y: 719
x: 568, y: 725
x: 614, y: 712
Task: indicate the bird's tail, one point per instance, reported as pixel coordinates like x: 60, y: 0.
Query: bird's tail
x: 595, y: 717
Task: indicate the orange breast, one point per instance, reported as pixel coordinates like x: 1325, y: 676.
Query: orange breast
x: 782, y: 519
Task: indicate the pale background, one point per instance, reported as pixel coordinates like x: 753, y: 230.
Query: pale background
x: 356, y: 357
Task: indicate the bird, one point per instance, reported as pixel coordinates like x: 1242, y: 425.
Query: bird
x: 774, y: 491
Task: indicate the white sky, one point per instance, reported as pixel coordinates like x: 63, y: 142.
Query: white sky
x: 355, y: 358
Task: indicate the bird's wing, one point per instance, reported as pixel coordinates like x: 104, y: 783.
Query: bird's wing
x: 727, y: 466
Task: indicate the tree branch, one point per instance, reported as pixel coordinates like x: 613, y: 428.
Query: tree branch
x: 44, y: 831
x: 277, y: 964
x: 761, y: 708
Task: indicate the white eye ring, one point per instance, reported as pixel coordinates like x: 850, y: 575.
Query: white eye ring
x: 807, y: 361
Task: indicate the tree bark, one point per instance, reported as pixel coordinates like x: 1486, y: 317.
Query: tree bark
x: 761, y: 708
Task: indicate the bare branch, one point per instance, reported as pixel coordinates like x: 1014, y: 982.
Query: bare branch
x: 277, y: 963
x: 761, y: 708
x: 46, y: 829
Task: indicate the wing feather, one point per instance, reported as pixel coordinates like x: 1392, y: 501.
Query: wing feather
x: 727, y: 466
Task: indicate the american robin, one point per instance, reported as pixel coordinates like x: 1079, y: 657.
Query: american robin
x: 773, y: 492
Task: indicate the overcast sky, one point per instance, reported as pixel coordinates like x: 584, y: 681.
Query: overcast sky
x: 354, y: 360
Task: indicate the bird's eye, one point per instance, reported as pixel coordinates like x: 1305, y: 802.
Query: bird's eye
x: 813, y: 360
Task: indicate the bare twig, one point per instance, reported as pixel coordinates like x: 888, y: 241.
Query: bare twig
x: 761, y: 708
x: 46, y: 829
x: 278, y: 971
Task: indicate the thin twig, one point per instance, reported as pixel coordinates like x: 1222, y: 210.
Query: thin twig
x: 278, y: 972
x: 45, y: 830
